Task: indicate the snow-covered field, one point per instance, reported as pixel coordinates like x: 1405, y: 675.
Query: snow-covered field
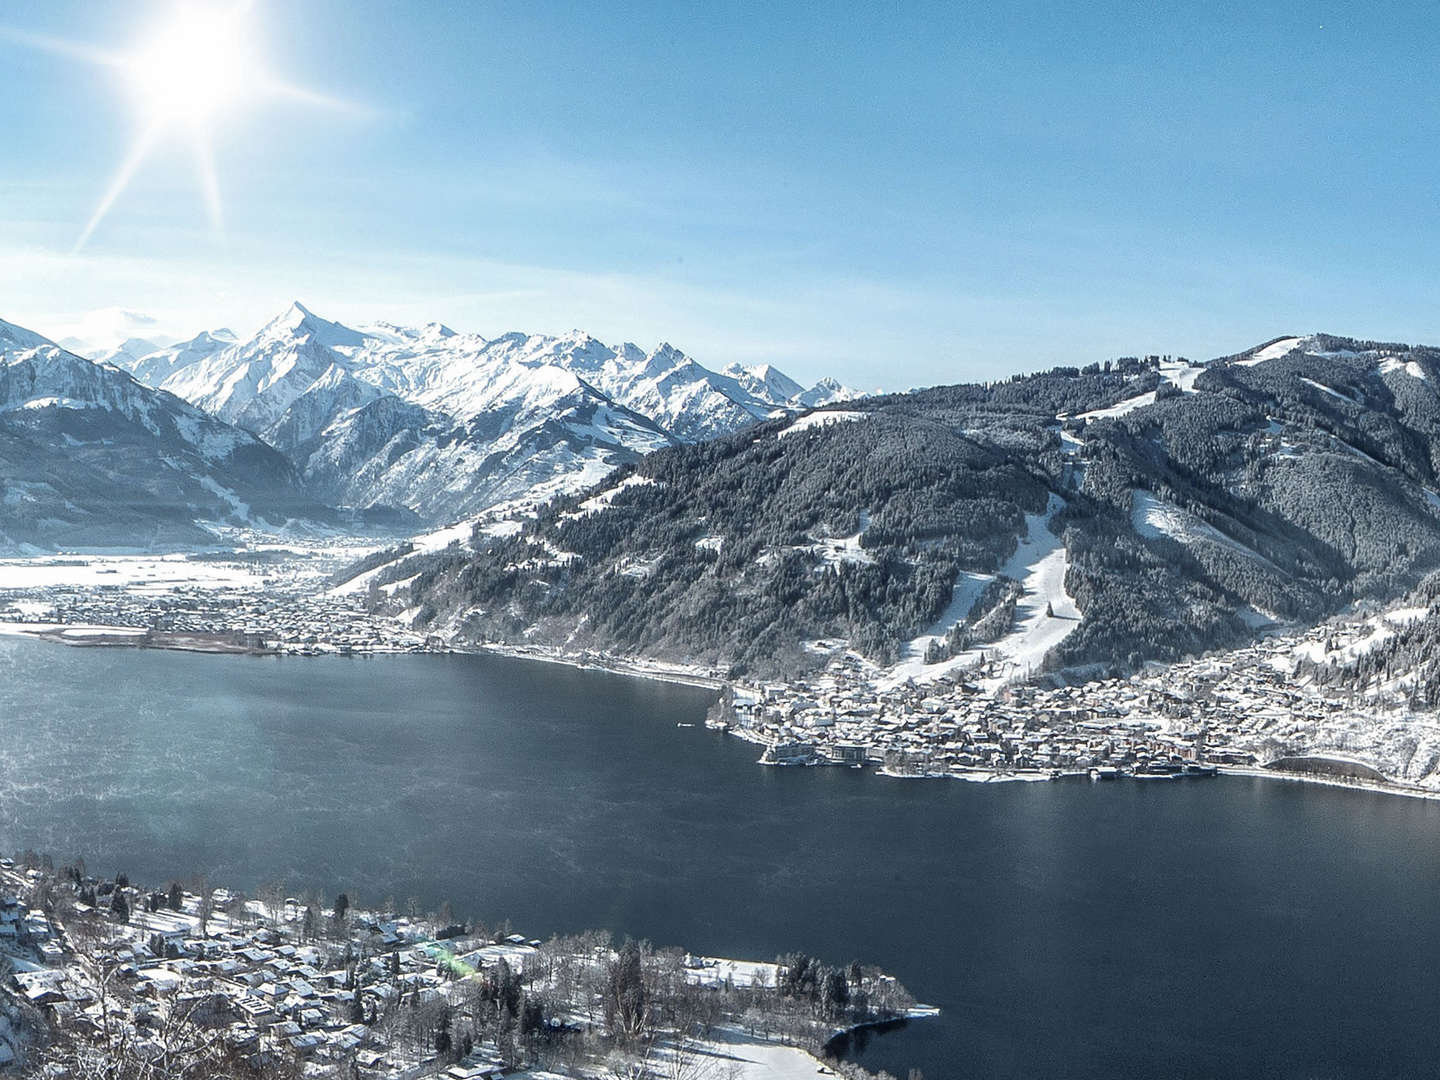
x: 141, y: 573
x: 730, y: 1052
x: 1391, y: 365
x: 842, y: 549
x: 1181, y: 375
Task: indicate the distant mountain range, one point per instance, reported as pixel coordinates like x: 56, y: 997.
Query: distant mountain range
x: 414, y: 426
x: 1140, y: 509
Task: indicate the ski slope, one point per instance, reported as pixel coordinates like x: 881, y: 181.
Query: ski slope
x: 1044, y: 616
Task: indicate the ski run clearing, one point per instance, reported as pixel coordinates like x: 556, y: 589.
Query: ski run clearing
x: 1181, y: 374
x: 1129, y: 405
x: 1044, y: 616
x: 1391, y: 365
x: 1283, y: 347
x: 820, y: 419
x: 1152, y: 517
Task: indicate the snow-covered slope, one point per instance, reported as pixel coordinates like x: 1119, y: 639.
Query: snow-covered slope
x: 89, y: 456
x: 154, y: 365
x: 450, y: 424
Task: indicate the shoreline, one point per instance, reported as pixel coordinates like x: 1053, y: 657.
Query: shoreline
x: 95, y: 636
x: 1392, y: 787
x: 655, y: 670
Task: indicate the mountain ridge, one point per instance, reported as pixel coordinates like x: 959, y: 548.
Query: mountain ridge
x: 493, y: 420
x: 1176, y: 507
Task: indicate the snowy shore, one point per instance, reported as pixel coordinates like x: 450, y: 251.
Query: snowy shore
x: 687, y: 675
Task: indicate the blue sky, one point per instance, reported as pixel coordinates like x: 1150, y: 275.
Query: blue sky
x: 895, y: 194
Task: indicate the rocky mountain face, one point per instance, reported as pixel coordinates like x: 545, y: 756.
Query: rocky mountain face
x: 1143, y: 509
x: 447, y: 425
x: 89, y: 457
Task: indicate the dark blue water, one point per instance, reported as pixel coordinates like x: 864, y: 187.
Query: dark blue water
x: 1234, y: 928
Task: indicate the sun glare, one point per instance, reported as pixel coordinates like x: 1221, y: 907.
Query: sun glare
x: 196, y: 66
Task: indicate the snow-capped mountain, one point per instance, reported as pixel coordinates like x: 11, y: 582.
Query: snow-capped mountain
x: 91, y: 457
x: 124, y: 354
x: 152, y: 365
x: 1079, y: 518
x: 450, y: 424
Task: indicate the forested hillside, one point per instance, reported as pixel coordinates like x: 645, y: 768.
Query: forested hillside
x: 1398, y: 660
x: 1183, y: 506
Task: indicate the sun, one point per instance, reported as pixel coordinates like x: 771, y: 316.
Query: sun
x: 197, y: 65
x: 192, y: 69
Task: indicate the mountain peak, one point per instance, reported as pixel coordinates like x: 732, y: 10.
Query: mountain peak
x: 299, y: 321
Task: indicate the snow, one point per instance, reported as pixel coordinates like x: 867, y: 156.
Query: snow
x: 1328, y: 390
x: 813, y: 420
x: 604, y: 499
x: 395, y: 586
x: 239, y: 509
x: 1283, y: 347
x: 1121, y: 408
x: 1357, y: 639
x: 1152, y: 517
x: 968, y: 588
x: 1258, y: 618
x: 147, y: 573
x: 1181, y: 375
x: 715, y: 971
x: 1390, y: 365
x: 440, y: 539
x: 739, y: 1056
x: 845, y: 549
x: 1356, y: 451
x: 56, y: 402
x: 1039, y: 564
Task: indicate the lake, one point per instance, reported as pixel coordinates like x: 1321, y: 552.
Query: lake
x: 1229, y: 928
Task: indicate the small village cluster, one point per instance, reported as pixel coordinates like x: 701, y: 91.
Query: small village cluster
x: 302, y: 621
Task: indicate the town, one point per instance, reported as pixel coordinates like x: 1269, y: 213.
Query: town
x: 105, y: 976
x: 1241, y: 710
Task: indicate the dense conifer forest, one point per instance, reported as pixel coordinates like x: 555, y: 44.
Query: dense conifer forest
x: 1193, y: 506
